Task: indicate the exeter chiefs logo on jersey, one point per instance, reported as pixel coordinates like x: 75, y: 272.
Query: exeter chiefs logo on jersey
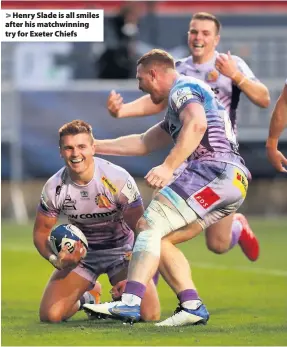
x: 102, y: 201
x: 212, y: 76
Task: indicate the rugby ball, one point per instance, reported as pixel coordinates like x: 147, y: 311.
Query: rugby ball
x: 66, y: 235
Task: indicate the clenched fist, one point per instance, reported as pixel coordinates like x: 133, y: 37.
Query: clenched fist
x: 114, y: 104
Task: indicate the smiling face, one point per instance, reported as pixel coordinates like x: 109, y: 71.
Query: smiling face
x: 202, y: 40
x: 77, y: 151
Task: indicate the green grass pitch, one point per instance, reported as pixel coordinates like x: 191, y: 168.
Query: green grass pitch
x: 247, y: 301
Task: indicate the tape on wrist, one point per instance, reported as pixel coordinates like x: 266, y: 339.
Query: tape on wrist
x: 53, y: 259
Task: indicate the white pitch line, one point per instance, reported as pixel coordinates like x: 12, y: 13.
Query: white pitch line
x: 201, y: 265
x: 271, y: 272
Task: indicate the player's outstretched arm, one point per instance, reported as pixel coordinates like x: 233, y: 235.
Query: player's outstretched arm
x: 256, y: 91
x: 277, y: 124
x: 135, y: 145
x: 138, y: 108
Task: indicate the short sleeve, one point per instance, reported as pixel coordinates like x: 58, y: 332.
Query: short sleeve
x: 164, y: 125
x: 47, y: 200
x: 184, y: 95
x: 178, y: 63
x: 130, y: 194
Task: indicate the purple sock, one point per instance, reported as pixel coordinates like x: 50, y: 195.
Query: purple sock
x: 236, y: 229
x: 186, y: 295
x: 135, y: 288
x: 156, y: 278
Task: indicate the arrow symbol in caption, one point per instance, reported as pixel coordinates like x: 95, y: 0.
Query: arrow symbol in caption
x: 8, y: 15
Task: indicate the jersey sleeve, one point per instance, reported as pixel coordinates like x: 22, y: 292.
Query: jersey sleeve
x: 183, y: 95
x: 245, y: 69
x: 177, y: 62
x: 47, y: 203
x: 130, y: 195
x: 164, y: 125
x: 181, y: 66
x: 178, y: 65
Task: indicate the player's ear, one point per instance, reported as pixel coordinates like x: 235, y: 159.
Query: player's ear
x: 152, y: 73
x: 60, y: 152
x: 217, y: 39
x: 94, y: 146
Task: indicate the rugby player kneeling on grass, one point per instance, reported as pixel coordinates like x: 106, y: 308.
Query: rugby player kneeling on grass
x: 103, y: 201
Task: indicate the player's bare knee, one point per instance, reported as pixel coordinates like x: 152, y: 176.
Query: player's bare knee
x: 52, y: 315
x: 217, y: 245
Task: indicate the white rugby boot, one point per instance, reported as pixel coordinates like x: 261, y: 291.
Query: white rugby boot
x: 184, y: 316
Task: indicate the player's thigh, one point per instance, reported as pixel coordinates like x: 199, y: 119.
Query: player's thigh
x: 219, y: 232
x: 62, y: 291
x: 185, y: 233
x: 212, y: 190
x: 164, y: 216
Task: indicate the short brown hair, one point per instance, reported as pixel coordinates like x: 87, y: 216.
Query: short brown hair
x: 208, y: 16
x: 74, y: 128
x: 157, y: 56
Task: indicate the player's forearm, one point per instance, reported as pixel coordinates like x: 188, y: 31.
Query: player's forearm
x: 278, y: 123
x: 131, y: 145
x: 42, y: 245
x: 140, y: 107
x: 188, y: 140
x: 256, y: 91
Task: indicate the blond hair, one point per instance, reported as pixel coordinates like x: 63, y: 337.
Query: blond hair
x: 74, y: 128
x: 208, y: 16
x: 157, y: 56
